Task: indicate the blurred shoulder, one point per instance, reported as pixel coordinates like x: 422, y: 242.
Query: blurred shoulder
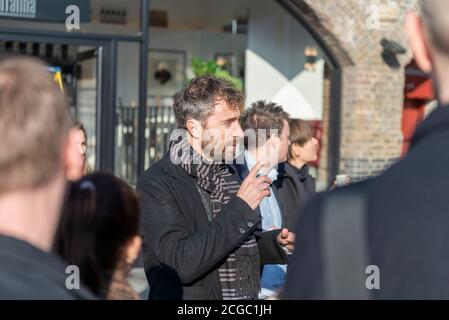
x: 314, y: 207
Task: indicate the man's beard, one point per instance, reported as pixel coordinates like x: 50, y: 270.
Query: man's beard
x: 218, y: 152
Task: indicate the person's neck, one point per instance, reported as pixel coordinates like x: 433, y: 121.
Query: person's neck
x: 298, y: 163
x: 32, y: 215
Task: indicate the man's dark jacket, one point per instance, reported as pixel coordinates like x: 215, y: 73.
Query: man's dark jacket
x: 26, y: 272
x: 407, y: 224
x: 182, y: 250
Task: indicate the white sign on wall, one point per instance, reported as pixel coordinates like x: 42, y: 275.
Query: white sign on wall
x: 18, y: 8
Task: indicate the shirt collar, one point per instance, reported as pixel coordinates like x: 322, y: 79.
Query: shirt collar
x: 250, y: 162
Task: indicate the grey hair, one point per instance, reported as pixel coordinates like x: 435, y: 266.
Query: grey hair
x: 198, y: 99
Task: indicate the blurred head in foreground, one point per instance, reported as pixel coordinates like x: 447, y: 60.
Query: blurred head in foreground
x: 34, y: 151
x: 428, y: 36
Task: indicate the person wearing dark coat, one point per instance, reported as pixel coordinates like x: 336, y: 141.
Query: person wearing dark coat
x: 400, y: 218
x: 27, y: 272
x: 201, y: 234
x: 302, y: 151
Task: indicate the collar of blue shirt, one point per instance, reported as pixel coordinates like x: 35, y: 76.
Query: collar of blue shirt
x: 250, y: 162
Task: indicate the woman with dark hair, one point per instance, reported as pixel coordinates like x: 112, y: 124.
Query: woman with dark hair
x: 99, y: 234
x: 303, y: 150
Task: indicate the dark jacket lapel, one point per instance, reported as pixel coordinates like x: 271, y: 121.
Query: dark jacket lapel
x: 184, y: 191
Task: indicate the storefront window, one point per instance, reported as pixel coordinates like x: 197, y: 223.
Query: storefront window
x: 77, y: 67
x: 126, y: 133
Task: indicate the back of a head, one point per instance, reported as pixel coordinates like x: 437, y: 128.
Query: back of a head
x: 100, y: 216
x: 263, y: 117
x: 34, y: 121
x: 435, y: 14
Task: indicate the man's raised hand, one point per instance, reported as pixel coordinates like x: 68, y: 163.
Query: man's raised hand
x: 253, y: 188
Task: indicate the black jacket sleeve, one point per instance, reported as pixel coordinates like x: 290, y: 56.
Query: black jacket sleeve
x: 270, y: 250
x: 191, y: 255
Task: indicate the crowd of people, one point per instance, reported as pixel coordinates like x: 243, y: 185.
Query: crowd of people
x: 230, y: 212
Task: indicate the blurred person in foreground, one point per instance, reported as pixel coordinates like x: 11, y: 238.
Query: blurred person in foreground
x: 35, y: 152
x: 99, y: 234
x: 201, y: 233
x: 387, y: 238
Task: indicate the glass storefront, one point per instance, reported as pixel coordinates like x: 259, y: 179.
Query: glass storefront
x: 99, y: 78
x: 126, y: 134
x: 85, y: 97
x: 78, y: 65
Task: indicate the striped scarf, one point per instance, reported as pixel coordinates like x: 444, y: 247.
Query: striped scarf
x: 240, y: 272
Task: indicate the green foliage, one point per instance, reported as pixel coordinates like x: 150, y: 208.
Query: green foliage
x: 201, y: 67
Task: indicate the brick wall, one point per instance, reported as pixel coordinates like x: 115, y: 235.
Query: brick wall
x: 372, y: 85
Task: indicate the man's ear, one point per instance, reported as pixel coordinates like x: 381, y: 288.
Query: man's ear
x: 295, y: 149
x: 71, y: 157
x: 194, y: 128
x: 419, y: 42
